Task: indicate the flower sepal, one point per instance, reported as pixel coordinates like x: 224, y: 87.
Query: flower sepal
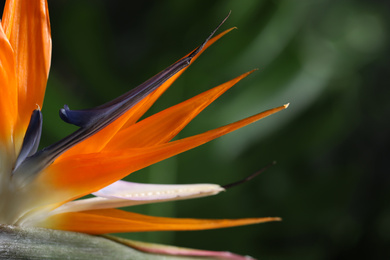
x: 40, y: 243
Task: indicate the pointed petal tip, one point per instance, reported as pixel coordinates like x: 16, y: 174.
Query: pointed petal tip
x: 286, y: 105
x: 267, y: 219
x: 248, y: 178
x: 276, y: 219
x: 251, y: 71
x: 224, y: 20
x: 228, y: 30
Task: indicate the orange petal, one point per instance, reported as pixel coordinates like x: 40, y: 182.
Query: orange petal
x: 98, y: 141
x: 27, y: 26
x: 115, y: 221
x: 154, y: 96
x: 162, y: 127
x: 9, y: 94
x: 79, y: 175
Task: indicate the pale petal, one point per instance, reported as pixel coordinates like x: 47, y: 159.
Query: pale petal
x: 140, y: 191
x: 124, y: 194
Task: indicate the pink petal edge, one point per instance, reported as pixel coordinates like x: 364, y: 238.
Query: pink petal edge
x: 178, y: 251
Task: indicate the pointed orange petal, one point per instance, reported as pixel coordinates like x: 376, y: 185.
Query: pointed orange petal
x: 27, y: 26
x: 8, y: 87
x: 115, y: 221
x: 169, y: 122
x: 79, y: 175
x: 98, y: 141
x: 154, y: 96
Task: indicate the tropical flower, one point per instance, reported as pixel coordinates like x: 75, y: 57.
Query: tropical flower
x: 39, y: 187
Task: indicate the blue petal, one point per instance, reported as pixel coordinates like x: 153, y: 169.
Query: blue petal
x: 101, y: 116
x: 31, y: 138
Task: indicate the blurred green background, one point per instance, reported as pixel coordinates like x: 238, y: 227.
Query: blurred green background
x: 328, y: 58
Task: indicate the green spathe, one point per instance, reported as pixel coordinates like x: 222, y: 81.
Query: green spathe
x: 41, y: 243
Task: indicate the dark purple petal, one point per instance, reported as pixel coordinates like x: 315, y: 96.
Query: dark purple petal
x: 31, y: 138
x: 98, y: 117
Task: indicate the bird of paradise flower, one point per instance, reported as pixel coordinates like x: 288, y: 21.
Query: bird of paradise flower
x: 39, y: 187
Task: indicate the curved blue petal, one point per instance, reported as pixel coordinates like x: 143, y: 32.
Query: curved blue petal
x: 31, y: 138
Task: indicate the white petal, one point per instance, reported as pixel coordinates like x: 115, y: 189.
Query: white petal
x: 139, y: 191
x: 124, y: 194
